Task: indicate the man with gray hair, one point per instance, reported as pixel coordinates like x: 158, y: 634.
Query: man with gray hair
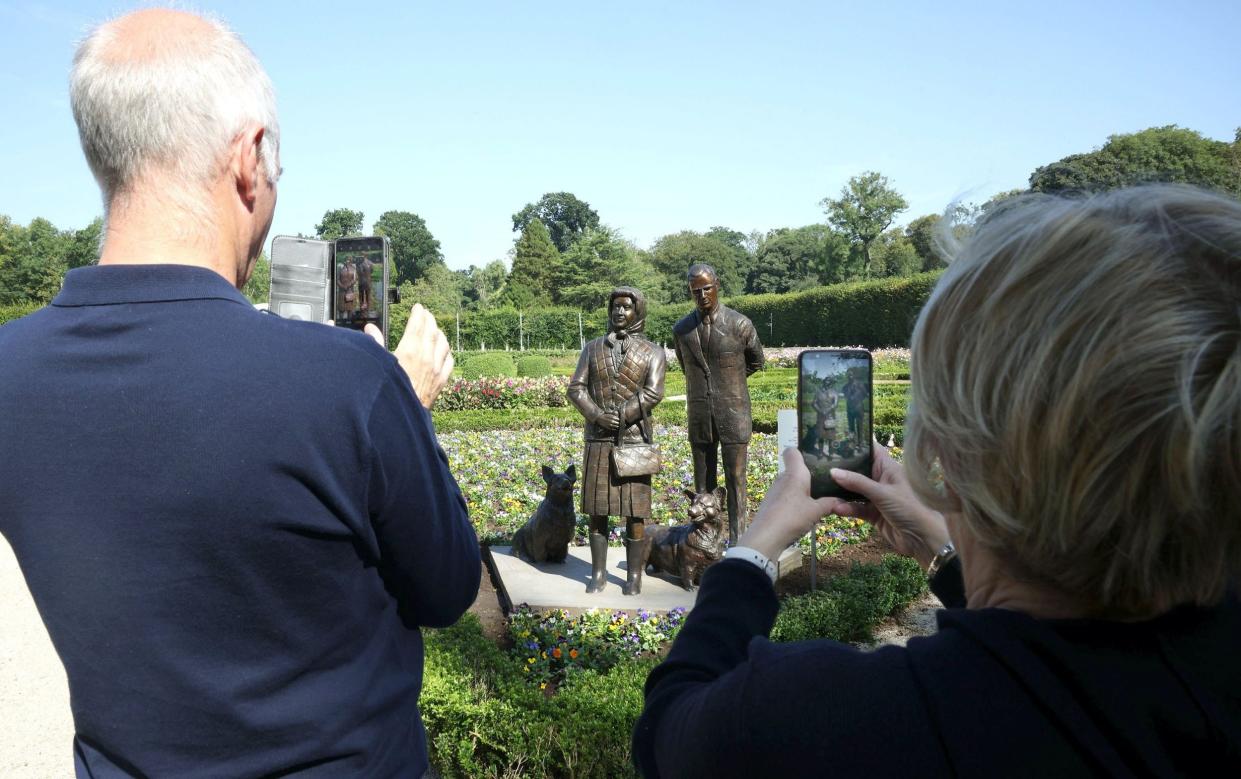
x: 233, y: 525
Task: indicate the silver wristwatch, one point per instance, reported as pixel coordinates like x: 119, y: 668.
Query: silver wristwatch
x: 941, y: 557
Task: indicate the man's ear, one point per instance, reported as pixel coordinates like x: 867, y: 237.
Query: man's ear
x: 245, y: 163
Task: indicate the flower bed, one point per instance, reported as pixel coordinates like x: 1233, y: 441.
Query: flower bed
x: 499, y: 474
x: 552, y: 645
x: 495, y: 392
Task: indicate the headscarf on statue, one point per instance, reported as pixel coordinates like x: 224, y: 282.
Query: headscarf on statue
x: 639, y: 308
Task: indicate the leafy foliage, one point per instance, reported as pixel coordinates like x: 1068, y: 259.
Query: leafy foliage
x: 439, y: 290
x: 866, y: 207
x: 673, y: 254
x: 1165, y: 154
x: 258, y: 286
x: 414, y: 249
x: 849, y: 606
x: 562, y: 213
x: 484, y: 719
x: 536, y: 263
x: 339, y: 223
x: 598, y: 262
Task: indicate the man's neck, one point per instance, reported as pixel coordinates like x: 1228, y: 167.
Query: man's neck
x: 145, y: 233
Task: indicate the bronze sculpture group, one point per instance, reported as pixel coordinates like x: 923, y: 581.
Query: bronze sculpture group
x: 618, y: 381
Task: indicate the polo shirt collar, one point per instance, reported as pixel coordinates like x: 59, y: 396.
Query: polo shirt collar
x: 101, y: 285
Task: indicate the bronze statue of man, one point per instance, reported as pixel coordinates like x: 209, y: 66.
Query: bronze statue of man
x: 718, y: 349
x: 618, y: 382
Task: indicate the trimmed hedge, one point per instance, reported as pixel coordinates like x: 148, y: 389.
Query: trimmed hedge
x: 867, y: 313
x: 483, y: 718
x: 534, y: 366
x: 487, y: 364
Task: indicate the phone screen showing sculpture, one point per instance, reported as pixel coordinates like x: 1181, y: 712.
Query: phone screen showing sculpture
x: 834, y: 401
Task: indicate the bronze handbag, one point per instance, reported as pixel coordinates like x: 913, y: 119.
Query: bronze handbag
x: 635, y: 459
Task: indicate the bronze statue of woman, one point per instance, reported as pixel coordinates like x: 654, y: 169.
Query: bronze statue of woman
x: 618, y: 382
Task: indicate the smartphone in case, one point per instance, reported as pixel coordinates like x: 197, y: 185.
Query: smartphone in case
x: 345, y: 280
x: 834, y: 400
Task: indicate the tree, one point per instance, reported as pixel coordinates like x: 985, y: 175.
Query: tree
x: 921, y: 236
x: 536, y: 262
x: 414, y: 249
x: 565, y: 217
x: 866, y: 207
x: 1170, y: 154
x: 673, y: 254
x: 894, y: 254
x: 484, y: 286
x: 258, y: 286
x: 84, y: 245
x: 797, y: 258
x: 32, y: 260
x: 439, y: 290
x: 599, y: 261
x: 339, y: 223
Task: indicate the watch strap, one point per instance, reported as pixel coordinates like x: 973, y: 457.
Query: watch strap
x: 754, y: 557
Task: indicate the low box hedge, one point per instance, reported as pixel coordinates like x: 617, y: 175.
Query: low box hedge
x: 485, y: 718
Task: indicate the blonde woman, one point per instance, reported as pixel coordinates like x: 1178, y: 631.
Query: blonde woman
x: 1077, y: 389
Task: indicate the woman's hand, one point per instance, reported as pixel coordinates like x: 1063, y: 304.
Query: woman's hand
x: 787, y: 512
x: 910, y: 527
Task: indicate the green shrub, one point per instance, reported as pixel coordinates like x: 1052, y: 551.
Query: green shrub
x: 849, y: 606
x: 534, y: 366
x: 477, y: 366
x: 484, y: 720
x: 18, y: 310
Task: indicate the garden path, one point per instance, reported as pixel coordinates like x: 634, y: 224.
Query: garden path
x: 36, y: 741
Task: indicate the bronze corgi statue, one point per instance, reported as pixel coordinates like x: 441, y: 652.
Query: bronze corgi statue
x: 687, y: 550
x: 546, y: 536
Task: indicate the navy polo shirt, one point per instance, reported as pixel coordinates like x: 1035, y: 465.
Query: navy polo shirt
x: 233, y: 526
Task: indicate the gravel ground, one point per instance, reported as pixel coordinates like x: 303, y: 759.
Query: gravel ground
x: 36, y: 738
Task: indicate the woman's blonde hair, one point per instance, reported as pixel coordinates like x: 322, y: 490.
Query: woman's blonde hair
x: 1077, y: 378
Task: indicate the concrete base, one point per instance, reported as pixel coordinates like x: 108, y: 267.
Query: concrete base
x: 548, y: 586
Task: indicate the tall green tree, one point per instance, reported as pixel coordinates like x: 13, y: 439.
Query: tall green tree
x: 536, y: 263
x: 1166, y: 154
x: 921, y: 236
x: 673, y: 254
x: 599, y: 261
x: 484, y: 286
x: 439, y: 290
x: 865, y: 209
x: 339, y: 223
x: 414, y: 249
x: 894, y: 254
x: 564, y: 215
x: 790, y: 259
x: 84, y: 245
x: 32, y: 260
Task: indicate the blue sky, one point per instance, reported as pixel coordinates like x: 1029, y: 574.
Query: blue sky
x: 663, y: 116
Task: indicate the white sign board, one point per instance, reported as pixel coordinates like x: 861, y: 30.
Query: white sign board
x: 786, y: 434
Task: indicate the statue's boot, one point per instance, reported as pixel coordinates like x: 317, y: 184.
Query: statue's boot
x: 598, y: 562
x: 634, y: 563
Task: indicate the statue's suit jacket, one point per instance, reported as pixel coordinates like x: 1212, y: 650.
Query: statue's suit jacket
x: 715, y: 376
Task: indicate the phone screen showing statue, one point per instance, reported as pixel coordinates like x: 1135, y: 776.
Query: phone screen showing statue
x: 834, y: 415
x: 358, y: 294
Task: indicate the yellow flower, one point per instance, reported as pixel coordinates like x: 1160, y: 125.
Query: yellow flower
x: 530, y: 660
